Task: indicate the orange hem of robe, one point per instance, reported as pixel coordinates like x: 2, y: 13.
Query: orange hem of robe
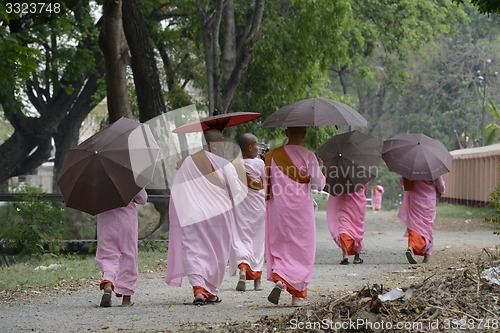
x: 289, y: 288
x: 200, y: 290
x: 416, y: 242
x: 347, y: 244
x: 103, y: 282
x: 251, y: 275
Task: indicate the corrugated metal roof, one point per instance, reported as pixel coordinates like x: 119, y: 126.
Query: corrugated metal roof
x: 486, y: 151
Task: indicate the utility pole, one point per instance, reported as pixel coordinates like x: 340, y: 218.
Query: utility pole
x: 485, y: 100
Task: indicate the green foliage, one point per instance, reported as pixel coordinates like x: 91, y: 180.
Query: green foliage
x: 495, y: 199
x: 79, y: 225
x: 484, y: 6
x: 493, y: 129
x: 33, y: 226
x: 149, y: 245
x: 307, y: 34
x: 462, y: 211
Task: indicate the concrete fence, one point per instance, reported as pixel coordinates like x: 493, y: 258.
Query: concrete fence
x: 475, y: 173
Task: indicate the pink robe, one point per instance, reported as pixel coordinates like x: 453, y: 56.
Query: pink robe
x: 201, y: 215
x: 418, y: 209
x: 290, y: 220
x: 116, y: 256
x: 345, y: 214
x: 249, y: 229
x: 377, y: 197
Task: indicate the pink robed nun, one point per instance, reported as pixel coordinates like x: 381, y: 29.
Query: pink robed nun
x: 201, y: 214
x: 249, y: 229
x: 345, y: 214
x: 116, y: 255
x: 418, y: 211
x: 290, y: 221
x: 377, y: 193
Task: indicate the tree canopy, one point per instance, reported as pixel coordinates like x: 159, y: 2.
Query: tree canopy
x: 405, y: 65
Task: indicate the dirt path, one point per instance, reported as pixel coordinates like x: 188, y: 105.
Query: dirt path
x: 161, y: 308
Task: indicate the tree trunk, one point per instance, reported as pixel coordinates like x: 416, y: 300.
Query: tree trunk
x: 235, y: 54
x: 229, y: 44
x: 210, y: 28
x: 116, y: 57
x: 178, y: 96
x: 146, y: 79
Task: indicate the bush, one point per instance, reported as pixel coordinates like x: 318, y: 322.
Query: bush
x: 149, y: 245
x: 495, y: 200
x: 33, y: 226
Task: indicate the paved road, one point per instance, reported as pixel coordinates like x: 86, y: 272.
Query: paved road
x: 159, y: 307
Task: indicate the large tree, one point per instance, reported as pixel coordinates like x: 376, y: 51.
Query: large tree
x: 115, y: 49
x: 55, y: 67
x: 228, y: 43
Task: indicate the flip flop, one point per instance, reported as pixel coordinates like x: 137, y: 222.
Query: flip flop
x: 410, y: 258
x: 274, y: 296
x: 128, y: 305
x: 344, y: 261
x: 106, y: 300
x: 360, y: 261
x: 216, y: 299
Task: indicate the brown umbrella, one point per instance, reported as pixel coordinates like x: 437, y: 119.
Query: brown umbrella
x: 416, y: 156
x: 315, y: 112
x: 351, y: 160
x: 107, y: 170
x: 217, y: 121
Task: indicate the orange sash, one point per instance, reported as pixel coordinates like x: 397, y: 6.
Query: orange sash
x: 206, y: 168
x: 245, y: 177
x: 285, y: 164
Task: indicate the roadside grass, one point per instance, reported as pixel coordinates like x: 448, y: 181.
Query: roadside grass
x: 73, y: 270
x: 461, y: 211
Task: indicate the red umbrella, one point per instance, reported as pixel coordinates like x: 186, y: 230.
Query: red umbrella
x: 218, y: 121
x: 107, y: 170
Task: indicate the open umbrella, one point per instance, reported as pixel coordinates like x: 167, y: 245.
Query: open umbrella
x: 416, y: 156
x: 351, y: 160
x: 217, y: 121
x: 315, y: 112
x: 107, y: 170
